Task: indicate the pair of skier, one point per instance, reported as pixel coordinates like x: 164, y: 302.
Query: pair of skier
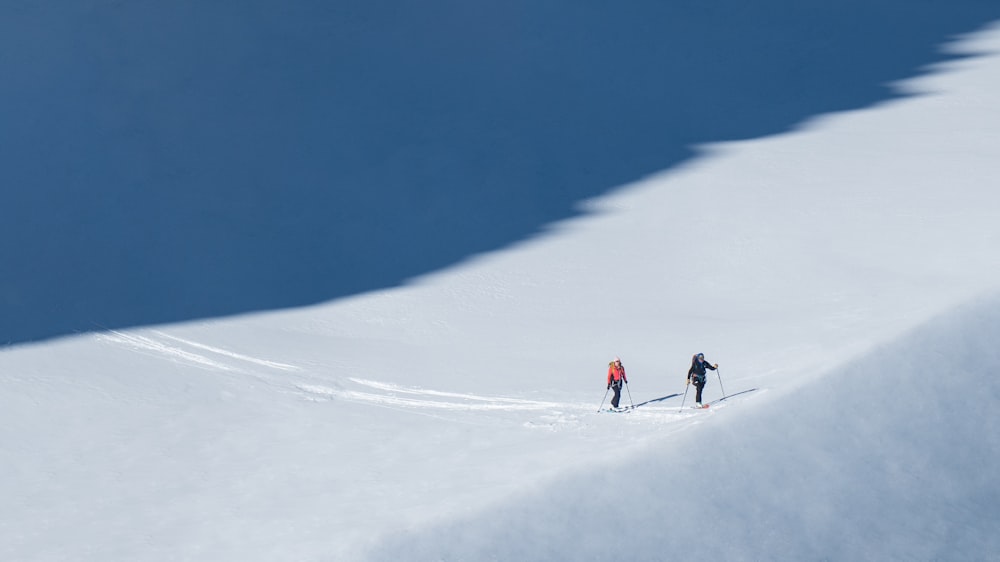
x: 696, y: 374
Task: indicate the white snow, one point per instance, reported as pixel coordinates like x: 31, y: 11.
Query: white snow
x: 844, y: 276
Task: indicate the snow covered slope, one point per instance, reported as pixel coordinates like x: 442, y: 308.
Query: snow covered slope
x: 455, y: 418
x: 174, y: 161
x: 890, y: 457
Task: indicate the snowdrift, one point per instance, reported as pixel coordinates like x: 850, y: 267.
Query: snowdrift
x: 890, y: 457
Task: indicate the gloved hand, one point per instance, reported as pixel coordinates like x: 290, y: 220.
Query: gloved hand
x: 687, y: 382
x: 626, y: 382
x: 716, y: 365
x: 609, y: 386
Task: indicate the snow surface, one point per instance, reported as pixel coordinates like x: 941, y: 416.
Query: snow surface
x: 844, y: 275
x: 174, y: 161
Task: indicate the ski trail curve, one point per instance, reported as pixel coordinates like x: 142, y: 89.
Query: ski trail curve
x: 464, y: 402
x: 231, y: 354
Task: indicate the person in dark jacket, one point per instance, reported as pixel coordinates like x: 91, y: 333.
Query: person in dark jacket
x: 696, y: 375
x: 616, y: 377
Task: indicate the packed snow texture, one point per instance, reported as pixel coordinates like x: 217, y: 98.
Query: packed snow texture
x: 844, y: 275
x: 890, y: 457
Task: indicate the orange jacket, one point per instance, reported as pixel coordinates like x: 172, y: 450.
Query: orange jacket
x: 616, y: 373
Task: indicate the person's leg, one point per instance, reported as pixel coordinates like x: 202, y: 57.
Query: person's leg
x: 618, y: 394
x: 697, y: 395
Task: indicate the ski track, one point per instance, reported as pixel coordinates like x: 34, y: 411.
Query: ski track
x: 419, y: 391
x: 174, y: 350
x: 541, y: 414
x: 475, y: 403
x: 232, y: 354
x: 246, y: 367
x: 301, y: 381
x: 144, y: 344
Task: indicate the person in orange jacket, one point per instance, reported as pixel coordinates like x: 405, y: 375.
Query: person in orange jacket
x: 616, y: 377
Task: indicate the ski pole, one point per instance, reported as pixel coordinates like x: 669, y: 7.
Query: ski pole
x: 605, y: 398
x: 686, y: 387
x: 718, y: 372
x: 631, y: 403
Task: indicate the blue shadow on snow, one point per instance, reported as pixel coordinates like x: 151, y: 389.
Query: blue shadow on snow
x: 169, y: 161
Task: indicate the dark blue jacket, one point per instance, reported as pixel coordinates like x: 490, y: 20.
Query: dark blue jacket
x: 697, y: 370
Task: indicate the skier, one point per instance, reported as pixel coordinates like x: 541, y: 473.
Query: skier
x: 696, y: 374
x: 616, y: 376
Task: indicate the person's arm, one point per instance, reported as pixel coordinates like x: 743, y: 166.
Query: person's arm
x: 710, y: 366
x: 610, y: 370
x: 624, y: 378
